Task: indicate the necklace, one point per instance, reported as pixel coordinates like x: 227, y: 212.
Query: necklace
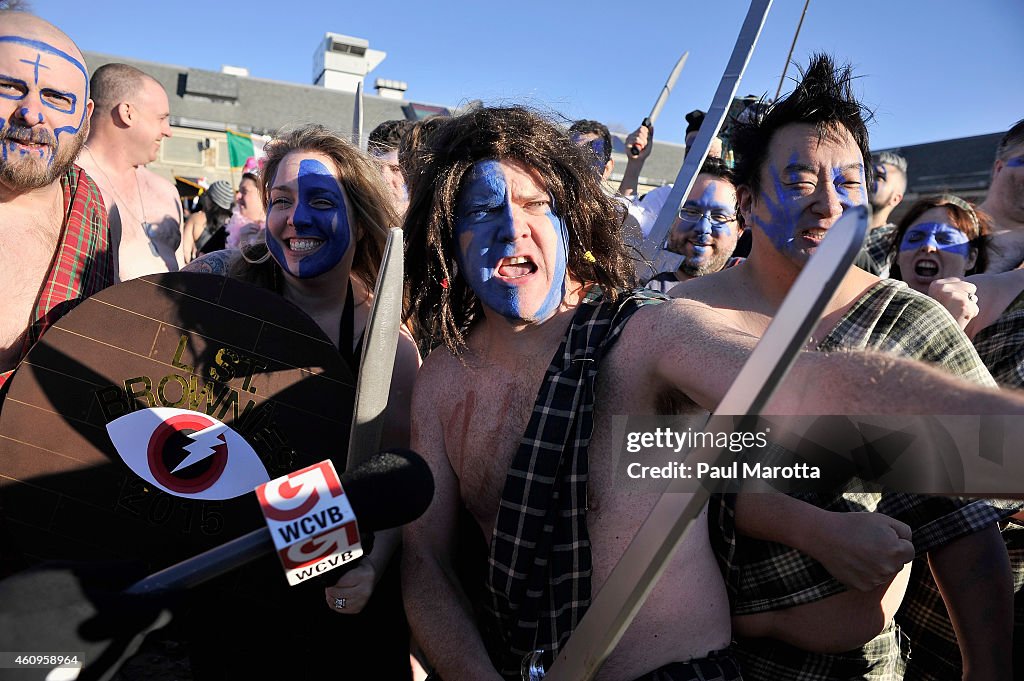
x: 148, y: 228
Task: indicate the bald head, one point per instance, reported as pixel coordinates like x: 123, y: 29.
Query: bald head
x: 32, y: 27
x: 114, y: 83
x: 45, y: 108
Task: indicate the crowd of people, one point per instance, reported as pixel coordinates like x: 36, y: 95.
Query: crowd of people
x: 527, y: 331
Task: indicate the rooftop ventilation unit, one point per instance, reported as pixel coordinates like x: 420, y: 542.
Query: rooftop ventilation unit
x: 341, y: 62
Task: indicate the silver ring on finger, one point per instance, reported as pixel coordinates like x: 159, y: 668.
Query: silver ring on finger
x: 339, y: 603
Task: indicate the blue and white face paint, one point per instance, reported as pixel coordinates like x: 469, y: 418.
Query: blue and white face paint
x: 706, y: 230
x: 308, y: 221
x: 43, y: 101
x: 803, y: 195
x: 512, y: 247
x: 933, y: 248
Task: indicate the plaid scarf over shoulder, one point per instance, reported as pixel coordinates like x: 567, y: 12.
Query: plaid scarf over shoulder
x: 82, y: 264
x: 539, y: 568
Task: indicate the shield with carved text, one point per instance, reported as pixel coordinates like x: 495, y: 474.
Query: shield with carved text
x: 137, y: 426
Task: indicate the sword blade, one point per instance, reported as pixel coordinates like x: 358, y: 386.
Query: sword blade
x: 667, y: 89
x: 357, y: 118
x: 745, y: 42
x: 380, y: 343
x: 647, y: 556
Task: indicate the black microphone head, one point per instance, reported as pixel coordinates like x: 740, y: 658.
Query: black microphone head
x: 389, y: 489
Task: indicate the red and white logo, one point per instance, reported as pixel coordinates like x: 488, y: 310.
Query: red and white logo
x: 187, y: 453
x: 311, y: 521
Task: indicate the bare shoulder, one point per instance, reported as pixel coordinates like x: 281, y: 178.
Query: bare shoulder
x: 439, y: 372
x: 217, y: 262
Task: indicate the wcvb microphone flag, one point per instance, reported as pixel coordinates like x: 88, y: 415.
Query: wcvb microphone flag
x: 311, y: 521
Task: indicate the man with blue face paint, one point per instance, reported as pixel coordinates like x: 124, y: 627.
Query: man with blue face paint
x: 1005, y: 202
x: 706, y: 229
x: 519, y: 283
x: 53, y: 233
x: 799, y: 167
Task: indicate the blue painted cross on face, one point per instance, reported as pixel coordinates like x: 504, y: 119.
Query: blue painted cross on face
x: 512, y: 247
x: 306, y: 195
x: 46, y: 90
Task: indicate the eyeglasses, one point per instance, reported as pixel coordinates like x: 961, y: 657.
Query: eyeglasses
x: 715, y: 217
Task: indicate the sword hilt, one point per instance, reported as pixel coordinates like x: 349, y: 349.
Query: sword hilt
x: 635, y: 149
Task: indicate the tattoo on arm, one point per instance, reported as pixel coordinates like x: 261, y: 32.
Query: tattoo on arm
x: 211, y: 263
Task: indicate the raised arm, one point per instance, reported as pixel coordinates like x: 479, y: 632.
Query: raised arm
x: 643, y: 137
x: 439, y: 612
x: 701, y: 352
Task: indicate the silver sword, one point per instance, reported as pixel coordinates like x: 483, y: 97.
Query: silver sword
x: 666, y: 90
x: 654, y: 259
x: 647, y: 556
x: 357, y: 118
x: 378, y: 360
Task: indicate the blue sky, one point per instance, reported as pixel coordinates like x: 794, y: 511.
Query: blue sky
x: 932, y: 70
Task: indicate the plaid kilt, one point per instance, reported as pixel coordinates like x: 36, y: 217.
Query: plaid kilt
x: 878, y: 660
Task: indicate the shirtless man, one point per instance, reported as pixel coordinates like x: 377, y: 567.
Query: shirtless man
x: 509, y: 265
x: 1005, y: 202
x: 129, y: 122
x: 801, y: 166
x: 53, y: 235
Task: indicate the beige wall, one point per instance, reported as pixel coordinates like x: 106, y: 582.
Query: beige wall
x: 181, y: 154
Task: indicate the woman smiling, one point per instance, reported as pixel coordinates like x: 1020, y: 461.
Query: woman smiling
x: 326, y: 226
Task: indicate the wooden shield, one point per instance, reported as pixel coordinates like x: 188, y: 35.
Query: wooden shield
x: 211, y: 345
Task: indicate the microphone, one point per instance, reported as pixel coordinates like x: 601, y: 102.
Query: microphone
x: 387, y: 490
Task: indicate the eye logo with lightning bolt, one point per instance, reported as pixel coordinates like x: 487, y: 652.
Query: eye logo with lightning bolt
x: 187, y: 453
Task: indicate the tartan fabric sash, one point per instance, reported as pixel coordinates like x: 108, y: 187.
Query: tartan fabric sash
x: 539, y: 568
x: 1001, y: 345
x: 82, y: 264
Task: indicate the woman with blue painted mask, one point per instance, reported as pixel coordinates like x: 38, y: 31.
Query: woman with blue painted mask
x: 326, y: 225
x: 941, y: 239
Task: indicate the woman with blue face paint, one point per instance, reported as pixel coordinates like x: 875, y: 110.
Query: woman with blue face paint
x: 941, y: 239
x: 326, y: 222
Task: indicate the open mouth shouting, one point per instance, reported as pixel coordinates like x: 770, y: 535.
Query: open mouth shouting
x: 926, y: 268
x: 515, y: 267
